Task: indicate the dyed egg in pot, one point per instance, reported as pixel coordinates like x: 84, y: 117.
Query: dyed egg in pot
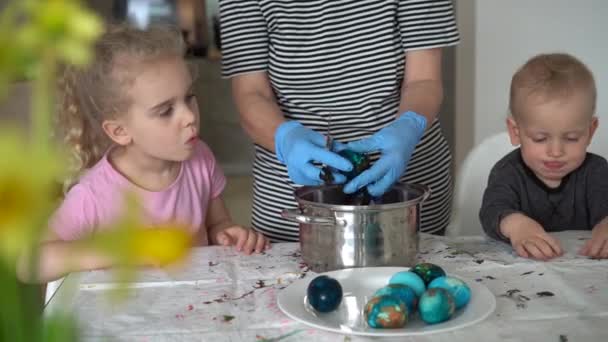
x: 324, y: 294
x: 456, y: 287
x: 410, y: 279
x: 387, y: 312
x: 436, y: 305
x: 360, y: 163
x: 428, y: 272
x: 403, y: 292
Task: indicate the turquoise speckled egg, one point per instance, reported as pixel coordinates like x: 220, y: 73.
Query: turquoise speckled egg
x: 410, y: 279
x: 428, y: 272
x: 436, y: 305
x: 456, y: 287
x: 387, y: 312
x: 403, y: 292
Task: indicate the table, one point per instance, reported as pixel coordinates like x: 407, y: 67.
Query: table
x: 225, y: 296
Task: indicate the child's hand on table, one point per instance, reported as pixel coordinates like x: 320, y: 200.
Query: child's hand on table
x: 597, y: 246
x: 528, y: 238
x: 244, y: 239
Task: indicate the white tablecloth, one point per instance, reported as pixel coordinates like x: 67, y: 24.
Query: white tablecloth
x: 225, y: 296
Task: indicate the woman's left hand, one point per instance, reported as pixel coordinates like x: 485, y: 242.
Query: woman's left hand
x: 396, y: 142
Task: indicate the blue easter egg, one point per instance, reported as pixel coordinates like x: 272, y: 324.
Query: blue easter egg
x: 403, y: 292
x: 456, y: 287
x: 387, y: 312
x: 324, y: 294
x: 428, y: 272
x: 410, y: 279
x: 436, y: 305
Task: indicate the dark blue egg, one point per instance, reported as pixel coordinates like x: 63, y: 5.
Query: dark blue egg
x: 436, y: 305
x: 428, y: 272
x: 324, y: 294
x: 386, y: 312
x: 410, y: 279
x: 403, y: 292
x: 456, y: 287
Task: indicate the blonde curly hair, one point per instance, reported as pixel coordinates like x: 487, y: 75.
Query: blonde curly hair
x: 90, y: 95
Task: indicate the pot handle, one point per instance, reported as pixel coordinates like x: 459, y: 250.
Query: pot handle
x: 297, y: 216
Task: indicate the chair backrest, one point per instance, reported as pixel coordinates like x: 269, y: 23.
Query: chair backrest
x: 471, y: 181
x: 599, y: 144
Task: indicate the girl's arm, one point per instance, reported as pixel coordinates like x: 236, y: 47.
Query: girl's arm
x: 58, y: 258
x: 224, y: 232
x: 257, y: 106
x: 217, y: 219
x: 422, y: 89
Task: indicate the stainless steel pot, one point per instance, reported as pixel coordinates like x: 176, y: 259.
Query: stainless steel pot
x: 335, y: 236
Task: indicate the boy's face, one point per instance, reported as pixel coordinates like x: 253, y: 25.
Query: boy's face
x: 163, y: 120
x: 553, y: 135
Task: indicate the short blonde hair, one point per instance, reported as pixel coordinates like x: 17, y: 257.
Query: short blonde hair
x: 551, y: 76
x: 90, y: 95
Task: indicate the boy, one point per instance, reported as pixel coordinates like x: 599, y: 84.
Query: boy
x: 550, y: 183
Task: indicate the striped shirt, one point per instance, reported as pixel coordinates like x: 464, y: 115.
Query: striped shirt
x: 338, y: 61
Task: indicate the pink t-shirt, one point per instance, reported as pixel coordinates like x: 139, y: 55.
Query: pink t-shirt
x: 98, y: 198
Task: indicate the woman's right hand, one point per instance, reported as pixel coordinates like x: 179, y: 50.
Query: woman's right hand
x: 297, y: 147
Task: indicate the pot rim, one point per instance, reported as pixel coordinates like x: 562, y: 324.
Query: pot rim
x: 424, y: 190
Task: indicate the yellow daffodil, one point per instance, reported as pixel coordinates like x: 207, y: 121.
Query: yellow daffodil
x: 28, y: 192
x: 132, y: 242
x: 34, y: 33
x: 63, y: 26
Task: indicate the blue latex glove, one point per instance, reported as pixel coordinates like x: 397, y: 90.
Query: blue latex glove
x: 297, y: 147
x: 396, y: 142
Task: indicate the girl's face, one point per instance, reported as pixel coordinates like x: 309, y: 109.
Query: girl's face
x: 163, y: 119
x: 554, y: 136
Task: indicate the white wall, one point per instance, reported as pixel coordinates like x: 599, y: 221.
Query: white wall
x: 498, y: 36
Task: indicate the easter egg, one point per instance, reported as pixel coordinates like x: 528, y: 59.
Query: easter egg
x: 360, y: 163
x: 410, y: 279
x: 436, y: 305
x: 403, y: 292
x: 385, y: 312
x: 456, y: 287
x: 428, y: 272
x: 324, y: 294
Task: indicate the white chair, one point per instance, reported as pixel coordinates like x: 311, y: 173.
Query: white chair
x: 471, y: 181
x: 599, y: 144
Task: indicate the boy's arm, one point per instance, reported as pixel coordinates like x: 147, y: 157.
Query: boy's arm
x: 597, y: 188
x: 597, y: 207
x: 501, y: 198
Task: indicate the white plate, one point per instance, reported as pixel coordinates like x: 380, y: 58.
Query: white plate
x: 358, y: 285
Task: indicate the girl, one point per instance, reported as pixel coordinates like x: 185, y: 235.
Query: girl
x: 131, y: 121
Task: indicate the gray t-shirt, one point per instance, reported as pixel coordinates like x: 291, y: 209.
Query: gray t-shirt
x: 579, y: 203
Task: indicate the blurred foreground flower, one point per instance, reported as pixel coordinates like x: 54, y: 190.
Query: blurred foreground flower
x: 36, y: 34
x: 35, y: 37
x: 28, y: 192
x: 60, y: 25
x: 131, y: 242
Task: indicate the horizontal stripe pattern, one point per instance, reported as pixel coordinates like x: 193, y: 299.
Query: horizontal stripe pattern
x: 338, y: 62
